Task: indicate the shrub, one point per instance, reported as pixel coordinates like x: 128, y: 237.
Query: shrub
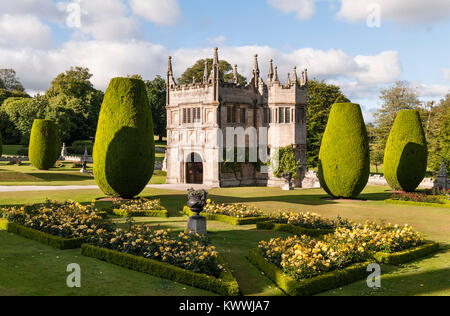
x: 78, y: 147
x: 45, y: 144
x: 236, y: 210
x: 308, y: 220
x: 124, y: 150
x: 344, y: 159
x: 405, y: 159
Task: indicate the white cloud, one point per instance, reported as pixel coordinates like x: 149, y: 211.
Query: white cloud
x: 446, y: 74
x: 304, y: 9
x: 23, y: 30
x: 431, y: 91
x: 405, y: 12
x: 105, y: 21
x: 218, y: 41
x: 46, y: 9
x: 161, y: 12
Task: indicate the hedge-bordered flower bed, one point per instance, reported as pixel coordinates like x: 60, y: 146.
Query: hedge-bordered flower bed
x: 142, y: 213
x: 47, y: 239
x: 227, y: 219
x: 140, y: 208
x: 406, y: 256
x: 293, y: 229
x: 225, y: 285
x: 3, y: 224
x: 390, y: 201
x: 308, y: 287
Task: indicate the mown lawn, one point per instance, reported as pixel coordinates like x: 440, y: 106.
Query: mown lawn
x: 27, y: 267
x: 68, y: 174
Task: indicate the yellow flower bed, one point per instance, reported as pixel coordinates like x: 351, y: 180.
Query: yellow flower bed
x: 236, y: 210
x: 308, y: 220
x: 190, y: 252
x: 140, y: 204
x: 66, y: 220
x: 304, y: 257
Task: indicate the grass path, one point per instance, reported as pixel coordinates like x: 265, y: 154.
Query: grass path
x: 27, y: 267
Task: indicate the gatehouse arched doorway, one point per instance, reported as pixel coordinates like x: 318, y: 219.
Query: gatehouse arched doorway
x: 194, y: 169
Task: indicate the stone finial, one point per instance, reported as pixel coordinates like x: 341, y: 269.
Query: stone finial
x: 275, y: 77
x: 256, y: 66
x: 205, y: 73
x: 216, y: 56
x: 235, y: 75
x: 270, y: 74
x: 306, y: 75
x: 294, y: 76
x: 288, y: 79
x: 169, y: 66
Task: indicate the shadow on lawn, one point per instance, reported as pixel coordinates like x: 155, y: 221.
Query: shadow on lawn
x: 53, y: 177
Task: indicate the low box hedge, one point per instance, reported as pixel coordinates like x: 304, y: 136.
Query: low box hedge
x: 293, y: 229
x: 227, y: 219
x: 226, y: 285
x: 50, y: 240
x: 309, y: 287
x: 390, y: 201
x: 3, y: 224
x: 142, y: 213
x: 406, y: 256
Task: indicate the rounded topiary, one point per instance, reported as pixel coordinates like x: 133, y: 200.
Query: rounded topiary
x: 344, y: 159
x: 45, y: 144
x: 124, y: 149
x: 406, y: 156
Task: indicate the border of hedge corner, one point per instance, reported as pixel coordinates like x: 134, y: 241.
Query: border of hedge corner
x: 411, y: 203
x: 227, y: 219
x: 293, y: 229
x: 47, y: 239
x: 163, y: 213
x: 406, y: 256
x: 4, y: 224
x: 309, y: 287
x: 226, y: 285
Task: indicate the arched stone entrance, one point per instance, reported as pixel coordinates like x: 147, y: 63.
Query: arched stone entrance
x: 194, y: 169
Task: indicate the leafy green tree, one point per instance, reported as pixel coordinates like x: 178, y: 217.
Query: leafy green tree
x: 156, y: 91
x: 2, y: 85
x: 197, y: 71
x: 376, y: 153
x: 10, y: 80
x: 22, y: 112
x: 321, y: 96
x: 74, y: 104
x: 401, y: 96
x: 6, y: 94
x: 438, y: 134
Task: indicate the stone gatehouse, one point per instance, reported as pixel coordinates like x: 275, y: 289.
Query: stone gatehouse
x: 200, y: 114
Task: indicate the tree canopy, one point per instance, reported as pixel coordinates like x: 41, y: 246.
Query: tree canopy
x: 197, y: 71
x: 10, y: 81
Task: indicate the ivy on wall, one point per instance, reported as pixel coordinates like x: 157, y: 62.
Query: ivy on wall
x: 283, y: 161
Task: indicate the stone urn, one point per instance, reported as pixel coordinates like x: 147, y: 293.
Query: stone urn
x: 196, y: 202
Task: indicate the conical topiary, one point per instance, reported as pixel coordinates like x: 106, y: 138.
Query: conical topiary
x: 344, y: 159
x: 124, y: 150
x: 45, y: 144
x: 406, y: 156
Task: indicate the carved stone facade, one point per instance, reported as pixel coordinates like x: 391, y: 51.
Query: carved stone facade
x: 200, y: 115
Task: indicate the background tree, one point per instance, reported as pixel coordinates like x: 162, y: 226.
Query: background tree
x: 156, y: 91
x: 10, y: 80
x: 401, y: 96
x: 2, y: 85
x: 74, y: 104
x: 21, y: 112
x: 438, y: 134
x: 198, y: 70
x: 376, y: 153
x: 321, y: 96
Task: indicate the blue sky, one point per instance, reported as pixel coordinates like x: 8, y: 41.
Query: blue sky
x: 330, y: 37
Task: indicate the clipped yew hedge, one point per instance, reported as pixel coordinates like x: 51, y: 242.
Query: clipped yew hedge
x: 227, y: 219
x: 293, y: 229
x: 409, y: 255
x: 406, y: 156
x: 45, y: 144
x: 141, y: 213
x: 226, y: 285
x: 124, y: 150
x: 344, y: 158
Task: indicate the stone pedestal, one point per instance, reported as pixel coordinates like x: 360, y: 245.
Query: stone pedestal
x: 288, y: 187
x: 197, y: 225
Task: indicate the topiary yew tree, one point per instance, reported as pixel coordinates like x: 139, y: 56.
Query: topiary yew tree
x: 45, y: 144
x: 124, y: 149
x: 344, y: 158
x: 405, y: 159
